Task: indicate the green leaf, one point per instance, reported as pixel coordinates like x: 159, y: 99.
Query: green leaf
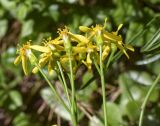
x: 27, y: 28
x: 21, y: 120
x: 7, y: 4
x: 141, y: 77
x: 86, y: 20
x: 148, y: 60
x: 132, y: 87
x: 51, y: 100
x: 2, y: 12
x: 125, y: 85
x: 87, y: 80
x: 3, y: 97
x: 88, y: 87
x: 135, y: 27
x: 154, y: 67
x: 22, y: 12
x: 114, y: 114
x: 12, y: 106
x: 132, y: 111
x: 153, y: 43
x: 16, y: 97
x: 54, y: 13
x: 3, y: 27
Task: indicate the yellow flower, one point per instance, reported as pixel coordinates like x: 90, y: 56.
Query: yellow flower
x: 63, y: 34
x: 106, y: 38
x: 82, y: 40
x: 69, y: 37
x: 49, y: 45
x: 49, y: 59
x: 81, y: 48
x: 120, y: 44
x: 90, y: 49
x: 25, y: 54
x: 99, y: 30
x: 88, y: 61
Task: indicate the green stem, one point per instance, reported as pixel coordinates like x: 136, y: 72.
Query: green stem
x: 64, y: 82
x: 73, y: 99
x: 53, y: 89
x: 146, y: 100
x: 103, y: 87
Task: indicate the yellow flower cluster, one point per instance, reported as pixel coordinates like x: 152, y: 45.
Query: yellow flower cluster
x: 82, y: 49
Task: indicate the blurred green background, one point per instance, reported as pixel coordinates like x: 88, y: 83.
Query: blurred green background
x: 27, y: 101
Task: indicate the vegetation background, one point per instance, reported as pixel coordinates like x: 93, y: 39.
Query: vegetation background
x: 27, y: 101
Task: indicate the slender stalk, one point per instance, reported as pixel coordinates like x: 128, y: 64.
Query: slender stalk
x: 73, y: 97
x: 146, y: 100
x: 103, y: 87
x: 53, y: 89
x: 64, y: 82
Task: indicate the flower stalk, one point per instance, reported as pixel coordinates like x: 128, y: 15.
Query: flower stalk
x: 73, y: 95
x: 103, y: 88
x: 64, y: 82
x: 146, y: 99
x: 53, y: 89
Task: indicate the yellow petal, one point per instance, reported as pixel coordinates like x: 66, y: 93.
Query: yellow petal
x: 52, y: 47
x: 129, y: 47
x: 84, y: 28
x: 56, y: 42
x: 43, y: 61
x: 40, y: 48
x: 112, y: 37
x: 119, y: 45
x: 31, y: 56
x: 105, y: 52
x: 124, y: 51
x: 87, y: 65
x: 89, y: 61
x: 17, y: 60
x: 59, y: 48
x: 119, y: 27
x: 24, y: 65
x: 79, y: 49
x: 65, y: 63
x: 78, y: 38
x: 50, y: 67
x: 43, y: 55
x: 35, y: 70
